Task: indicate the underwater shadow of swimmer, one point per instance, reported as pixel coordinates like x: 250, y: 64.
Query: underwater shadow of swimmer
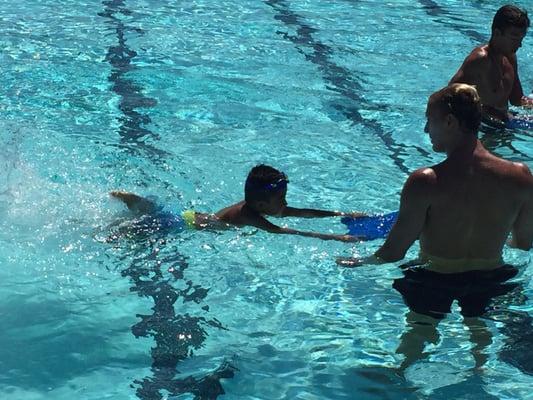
x: 146, y: 227
x: 517, y: 327
x: 176, y: 336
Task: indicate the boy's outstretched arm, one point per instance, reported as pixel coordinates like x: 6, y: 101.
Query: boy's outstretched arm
x: 266, y: 225
x: 313, y: 213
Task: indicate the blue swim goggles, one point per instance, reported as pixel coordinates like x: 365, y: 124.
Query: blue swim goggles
x: 280, y: 184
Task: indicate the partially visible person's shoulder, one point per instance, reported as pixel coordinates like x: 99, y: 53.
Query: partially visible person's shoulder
x: 232, y: 214
x: 515, y: 171
x: 479, y: 53
x: 478, y: 57
x: 523, y: 172
x: 425, y: 174
x: 522, y: 179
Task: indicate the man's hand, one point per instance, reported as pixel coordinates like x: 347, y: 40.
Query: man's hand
x: 526, y: 102
x: 349, y: 262
x: 348, y: 238
x: 352, y: 262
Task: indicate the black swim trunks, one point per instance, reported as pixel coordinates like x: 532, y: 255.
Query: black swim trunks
x: 432, y: 293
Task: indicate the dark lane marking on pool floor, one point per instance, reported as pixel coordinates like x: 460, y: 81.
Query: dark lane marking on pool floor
x: 175, y: 335
x: 434, y: 10
x: 339, y: 80
x: 131, y: 130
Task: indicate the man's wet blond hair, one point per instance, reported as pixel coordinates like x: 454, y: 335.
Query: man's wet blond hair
x: 462, y: 101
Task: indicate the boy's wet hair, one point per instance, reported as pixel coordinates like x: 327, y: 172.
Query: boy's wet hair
x: 462, y: 101
x: 510, y: 16
x: 262, y: 181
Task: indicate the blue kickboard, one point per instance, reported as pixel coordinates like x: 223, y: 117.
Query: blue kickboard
x: 370, y: 227
x: 523, y: 122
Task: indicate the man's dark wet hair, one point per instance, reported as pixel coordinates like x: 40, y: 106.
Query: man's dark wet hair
x: 510, y: 16
x: 462, y: 101
x: 262, y: 182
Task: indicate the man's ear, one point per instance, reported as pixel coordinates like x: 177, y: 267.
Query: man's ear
x: 452, y: 121
x: 449, y: 119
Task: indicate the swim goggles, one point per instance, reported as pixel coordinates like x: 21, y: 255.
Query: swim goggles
x: 280, y: 184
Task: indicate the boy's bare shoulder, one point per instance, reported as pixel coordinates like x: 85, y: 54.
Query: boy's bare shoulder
x: 236, y: 214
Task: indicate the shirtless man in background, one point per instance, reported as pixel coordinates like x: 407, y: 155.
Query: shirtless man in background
x: 492, y: 68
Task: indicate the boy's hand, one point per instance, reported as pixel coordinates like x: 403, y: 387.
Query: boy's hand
x: 354, y: 214
x: 348, y: 238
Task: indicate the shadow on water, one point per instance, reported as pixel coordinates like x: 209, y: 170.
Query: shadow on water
x: 517, y: 328
x: 494, y: 139
x: 132, y: 122
x: 339, y: 80
x: 176, y: 336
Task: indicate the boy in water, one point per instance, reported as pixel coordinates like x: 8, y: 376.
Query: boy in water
x: 264, y: 195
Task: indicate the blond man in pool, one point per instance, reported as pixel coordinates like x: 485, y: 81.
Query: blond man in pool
x: 462, y: 211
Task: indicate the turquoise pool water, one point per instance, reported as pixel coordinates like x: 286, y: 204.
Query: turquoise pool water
x: 179, y: 100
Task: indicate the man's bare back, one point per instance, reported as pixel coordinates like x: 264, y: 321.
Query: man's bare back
x: 474, y: 201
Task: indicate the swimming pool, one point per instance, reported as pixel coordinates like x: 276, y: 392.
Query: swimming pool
x: 179, y: 100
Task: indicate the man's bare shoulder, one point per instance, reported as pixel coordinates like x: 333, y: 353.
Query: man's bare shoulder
x: 479, y: 55
x: 523, y: 173
x: 425, y: 175
x: 473, y: 67
x: 477, y: 60
x: 521, y: 176
x: 518, y: 172
x: 421, y: 179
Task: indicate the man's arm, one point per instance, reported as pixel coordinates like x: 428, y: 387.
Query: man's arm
x: 517, y: 98
x: 312, y: 213
x: 414, y: 204
x: 522, y: 232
